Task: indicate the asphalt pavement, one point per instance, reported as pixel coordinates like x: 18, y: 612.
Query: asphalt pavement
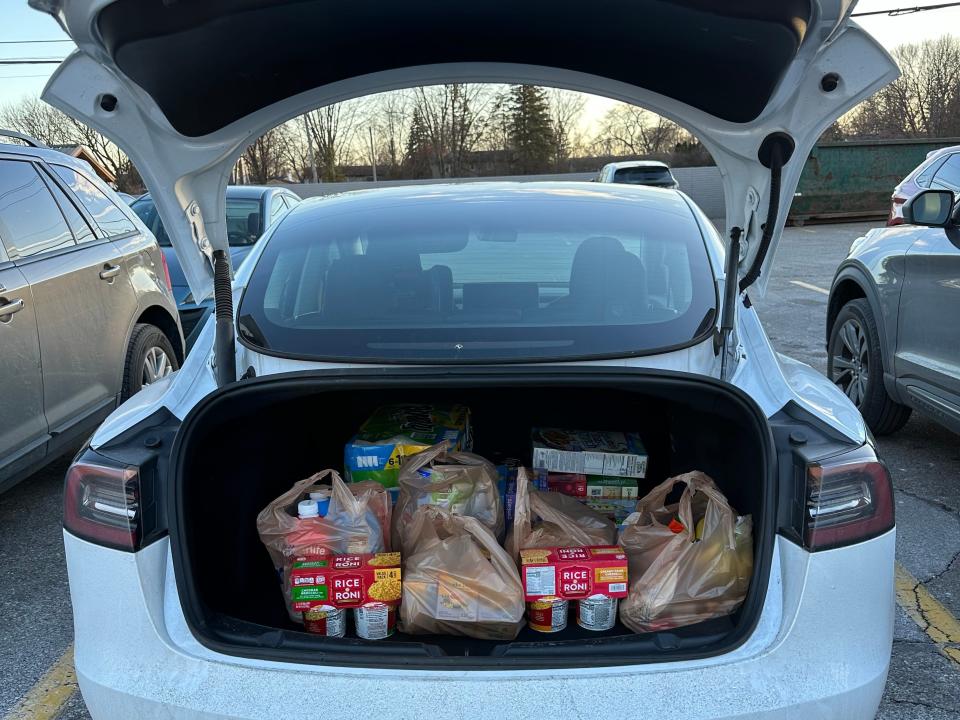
x: 924, y: 459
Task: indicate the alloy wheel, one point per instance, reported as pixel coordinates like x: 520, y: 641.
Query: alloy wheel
x: 850, y: 361
x: 156, y: 365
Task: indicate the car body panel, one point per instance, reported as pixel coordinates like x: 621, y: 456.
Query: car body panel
x: 188, y: 175
x: 928, y: 337
x: 830, y: 663
x: 920, y: 178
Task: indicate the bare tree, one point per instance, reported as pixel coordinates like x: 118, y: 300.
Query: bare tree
x: 52, y: 127
x: 923, y: 102
x: 566, y: 113
x: 631, y: 130
x: 333, y: 129
x: 389, y: 114
x: 267, y: 158
x: 453, y: 119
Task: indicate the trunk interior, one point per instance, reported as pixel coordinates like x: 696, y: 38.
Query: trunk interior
x: 242, y: 448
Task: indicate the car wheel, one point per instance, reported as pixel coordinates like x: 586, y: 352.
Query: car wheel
x: 855, y: 365
x: 150, y: 357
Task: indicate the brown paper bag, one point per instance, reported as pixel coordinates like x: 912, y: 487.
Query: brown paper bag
x: 460, y: 482
x: 676, y: 578
x: 550, y: 519
x: 457, y: 580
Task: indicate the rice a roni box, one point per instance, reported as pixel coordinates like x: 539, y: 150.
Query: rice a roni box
x: 344, y: 581
x: 572, y: 573
x: 395, y: 432
x: 589, y: 452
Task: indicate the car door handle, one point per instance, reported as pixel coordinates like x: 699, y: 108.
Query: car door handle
x: 9, y: 308
x: 109, y: 272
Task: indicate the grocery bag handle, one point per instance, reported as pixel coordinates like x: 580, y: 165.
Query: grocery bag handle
x: 696, y: 481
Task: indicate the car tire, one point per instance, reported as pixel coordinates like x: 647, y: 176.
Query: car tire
x: 150, y: 356
x: 855, y: 365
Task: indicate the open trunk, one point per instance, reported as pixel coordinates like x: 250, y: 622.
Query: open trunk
x: 244, y: 446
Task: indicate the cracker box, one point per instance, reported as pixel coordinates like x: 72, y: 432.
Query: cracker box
x: 572, y: 573
x: 344, y: 581
x: 395, y: 432
x: 582, y: 452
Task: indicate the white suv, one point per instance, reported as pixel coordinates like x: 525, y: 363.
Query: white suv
x: 604, y: 305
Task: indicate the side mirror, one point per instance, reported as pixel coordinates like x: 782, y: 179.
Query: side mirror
x: 932, y: 208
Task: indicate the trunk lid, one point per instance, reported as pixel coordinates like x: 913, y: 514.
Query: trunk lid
x: 182, y: 90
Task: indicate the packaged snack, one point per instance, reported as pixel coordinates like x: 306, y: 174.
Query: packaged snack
x: 357, y: 521
x: 584, y: 452
x: 458, y: 580
x: 459, y: 482
x: 396, y: 432
x: 547, y: 519
x: 573, y: 573
x: 688, y: 562
x: 344, y: 581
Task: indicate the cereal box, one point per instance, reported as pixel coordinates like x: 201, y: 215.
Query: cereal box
x: 344, y: 581
x: 394, y: 432
x: 604, y: 487
x: 572, y: 573
x: 582, y: 452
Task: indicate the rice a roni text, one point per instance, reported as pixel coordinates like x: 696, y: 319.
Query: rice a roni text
x: 344, y: 581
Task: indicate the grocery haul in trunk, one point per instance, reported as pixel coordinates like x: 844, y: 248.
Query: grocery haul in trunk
x: 426, y: 538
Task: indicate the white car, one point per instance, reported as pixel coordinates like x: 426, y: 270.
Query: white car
x: 604, y: 306
x: 639, y: 172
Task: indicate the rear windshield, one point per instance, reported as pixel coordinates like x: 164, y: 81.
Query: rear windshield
x: 643, y: 176
x: 505, y: 276
x: 243, y: 220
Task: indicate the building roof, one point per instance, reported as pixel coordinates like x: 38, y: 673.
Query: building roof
x: 82, y: 152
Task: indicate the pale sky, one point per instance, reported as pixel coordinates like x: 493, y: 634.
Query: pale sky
x: 23, y: 23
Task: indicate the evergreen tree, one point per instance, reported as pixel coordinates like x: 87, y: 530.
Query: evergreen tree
x: 416, y: 159
x: 531, y: 132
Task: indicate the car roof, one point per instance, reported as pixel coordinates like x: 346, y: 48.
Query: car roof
x: 662, y: 199
x: 45, y: 153
x: 638, y: 164
x: 245, y: 192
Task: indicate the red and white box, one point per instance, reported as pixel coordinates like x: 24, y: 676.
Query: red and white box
x: 572, y: 573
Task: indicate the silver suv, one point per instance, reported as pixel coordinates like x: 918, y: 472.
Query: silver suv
x: 87, y: 316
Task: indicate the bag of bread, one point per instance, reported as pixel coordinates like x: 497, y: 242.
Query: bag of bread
x: 457, y: 580
x: 688, y: 562
x: 357, y: 521
x: 551, y: 519
x: 459, y: 482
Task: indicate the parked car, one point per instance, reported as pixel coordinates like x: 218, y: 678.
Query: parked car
x: 127, y: 197
x: 639, y: 172
x: 250, y: 211
x: 892, y: 332
x: 600, y: 305
x: 87, y: 315
x: 941, y: 170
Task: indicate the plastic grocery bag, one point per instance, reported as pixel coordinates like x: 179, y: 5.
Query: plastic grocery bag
x: 357, y: 521
x: 688, y: 562
x: 551, y: 519
x: 457, y: 580
x: 460, y: 482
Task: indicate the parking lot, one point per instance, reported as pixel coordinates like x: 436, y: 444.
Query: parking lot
x: 924, y: 682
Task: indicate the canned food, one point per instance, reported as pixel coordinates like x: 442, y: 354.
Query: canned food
x: 325, y: 620
x: 375, y: 620
x: 548, y: 614
x: 597, y: 612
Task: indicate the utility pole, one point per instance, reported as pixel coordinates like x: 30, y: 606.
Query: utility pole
x: 313, y: 158
x: 373, y: 156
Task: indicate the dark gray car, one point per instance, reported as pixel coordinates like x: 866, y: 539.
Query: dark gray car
x: 87, y: 315
x: 893, y: 319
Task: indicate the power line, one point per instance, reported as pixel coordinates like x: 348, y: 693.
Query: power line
x: 32, y: 42
x: 895, y: 12
x: 32, y: 61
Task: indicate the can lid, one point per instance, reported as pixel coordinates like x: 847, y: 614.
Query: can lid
x: 307, y: 508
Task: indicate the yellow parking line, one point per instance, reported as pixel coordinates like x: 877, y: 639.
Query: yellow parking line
x: 50, y: 693
x: 932, y: 617
x: 808, y: 286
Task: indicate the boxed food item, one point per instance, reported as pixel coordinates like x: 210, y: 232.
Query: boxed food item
x: 606, y: 487
x: 344, y: 581
x: 571, y: 484
x: 394, y: 432
x: 616, y: 510
x: 615, y: 454
x: 572, y: 573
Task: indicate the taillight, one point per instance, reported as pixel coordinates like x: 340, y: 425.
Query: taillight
x: 102, y: 504
x: 849, y: 499
x: 166, y: 271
